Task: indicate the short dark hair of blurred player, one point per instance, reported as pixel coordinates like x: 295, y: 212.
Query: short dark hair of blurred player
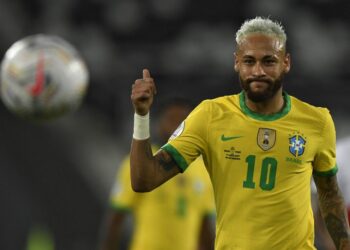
x: 179, y: 214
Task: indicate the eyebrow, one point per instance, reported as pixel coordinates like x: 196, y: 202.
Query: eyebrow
x: 264, y: 57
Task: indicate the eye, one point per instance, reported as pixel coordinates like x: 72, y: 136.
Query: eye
x: 270, y: 61
x: 248, y: 61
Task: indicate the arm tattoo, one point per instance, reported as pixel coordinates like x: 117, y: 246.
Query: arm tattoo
x: 333, y: 209
x: 336, y: 229
x: 166, y: 161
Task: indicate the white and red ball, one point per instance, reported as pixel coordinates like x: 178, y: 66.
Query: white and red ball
x: 43, y: 77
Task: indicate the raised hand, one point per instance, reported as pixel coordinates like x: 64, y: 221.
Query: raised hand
x: 142, y: 93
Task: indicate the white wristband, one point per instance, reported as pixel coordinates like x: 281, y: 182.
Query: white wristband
x: 141, y: 127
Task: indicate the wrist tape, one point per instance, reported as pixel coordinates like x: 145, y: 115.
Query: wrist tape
x: 141, y: 127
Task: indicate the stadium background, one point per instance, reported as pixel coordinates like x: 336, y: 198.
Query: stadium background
x: 59, y: 174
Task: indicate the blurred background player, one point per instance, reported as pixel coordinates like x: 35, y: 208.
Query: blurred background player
x: 322, y: 239
x: 178, y: 215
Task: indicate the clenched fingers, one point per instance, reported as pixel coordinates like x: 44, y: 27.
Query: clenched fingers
x: 143, y: 88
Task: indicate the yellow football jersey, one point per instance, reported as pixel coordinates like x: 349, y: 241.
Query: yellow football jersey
x: 260, y: 167
x: 170, y: 216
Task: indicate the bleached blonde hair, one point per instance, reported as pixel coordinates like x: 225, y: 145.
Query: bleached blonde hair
x: 261, y: 25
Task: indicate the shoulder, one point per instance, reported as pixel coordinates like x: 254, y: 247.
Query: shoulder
x: 304, y: 106
x: 318, y: 116
x: 220, y: 104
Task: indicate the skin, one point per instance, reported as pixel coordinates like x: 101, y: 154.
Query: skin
x: 113, y: 230
x: 261, y: 62
x: 333, y: 212
x: 147, y: 171
x: 169, y: 120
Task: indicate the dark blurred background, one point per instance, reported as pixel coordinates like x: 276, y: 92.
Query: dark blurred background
x: 57, y: 175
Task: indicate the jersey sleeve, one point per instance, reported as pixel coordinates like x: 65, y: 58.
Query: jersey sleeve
x: 190, y: 139
x: 325, y: 159
x: 122, y: 195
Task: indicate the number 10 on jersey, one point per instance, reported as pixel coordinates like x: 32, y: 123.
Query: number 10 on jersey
x: 267, y: 173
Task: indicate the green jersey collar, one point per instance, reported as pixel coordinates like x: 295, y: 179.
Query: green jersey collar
x: 261, y: 117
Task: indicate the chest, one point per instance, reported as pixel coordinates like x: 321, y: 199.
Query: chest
x: 244, y: 147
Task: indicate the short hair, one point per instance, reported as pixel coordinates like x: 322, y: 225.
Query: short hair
x: 261, y: 25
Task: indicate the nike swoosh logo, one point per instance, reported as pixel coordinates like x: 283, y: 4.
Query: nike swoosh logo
x: 228, y: 138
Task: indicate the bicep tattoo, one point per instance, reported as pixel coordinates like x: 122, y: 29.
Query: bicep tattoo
x: 166, y: 162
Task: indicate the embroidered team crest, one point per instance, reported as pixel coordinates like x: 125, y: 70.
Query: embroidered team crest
x: 266, y: 138
x: 297, y: 145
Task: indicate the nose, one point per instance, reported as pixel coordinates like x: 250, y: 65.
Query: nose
x: 258, y: 70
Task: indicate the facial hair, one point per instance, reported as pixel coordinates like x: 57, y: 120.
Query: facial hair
x: 273, y: 87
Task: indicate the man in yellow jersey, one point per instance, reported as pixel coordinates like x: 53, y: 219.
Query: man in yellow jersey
x: 260, y: 147
x: 178, y: 215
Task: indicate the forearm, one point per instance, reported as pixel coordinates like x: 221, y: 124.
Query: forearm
x: 142, y: 161
x: 333, y: 212
x: 147, y: 171
x: 334, y: 215
x: 142, y: 166
x: 207, y: 234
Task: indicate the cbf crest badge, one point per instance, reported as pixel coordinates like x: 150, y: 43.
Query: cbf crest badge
x: 297, y: 145
x: 266, y: 138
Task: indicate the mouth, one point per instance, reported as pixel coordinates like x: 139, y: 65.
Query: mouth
x: 259, y: 84
x: 262, y: 81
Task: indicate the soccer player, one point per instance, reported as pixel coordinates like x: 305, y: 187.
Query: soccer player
x: 178, y: 215
x: 260, y: 147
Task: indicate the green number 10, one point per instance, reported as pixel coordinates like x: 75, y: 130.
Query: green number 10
x: 267, y: 175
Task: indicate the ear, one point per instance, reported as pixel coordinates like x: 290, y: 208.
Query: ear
x: 236, y: 66
x: 287, y: 63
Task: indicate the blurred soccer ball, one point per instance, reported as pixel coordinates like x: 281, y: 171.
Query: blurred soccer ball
x: 42, y: 77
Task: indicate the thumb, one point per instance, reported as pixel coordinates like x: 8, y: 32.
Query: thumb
x: 146, y: 74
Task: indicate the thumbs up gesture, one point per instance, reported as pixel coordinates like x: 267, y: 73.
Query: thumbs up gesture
x: 142, y: 93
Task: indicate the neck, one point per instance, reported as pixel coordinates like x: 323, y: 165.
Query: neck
x: 268, y: 107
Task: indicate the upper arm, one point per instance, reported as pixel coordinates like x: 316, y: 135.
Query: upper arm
x: 191, y: 139
x: 148, y: 171
x: 328, y: 192
x: 166, y: 167
x: 326, y: 184
x: 325, y: 158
